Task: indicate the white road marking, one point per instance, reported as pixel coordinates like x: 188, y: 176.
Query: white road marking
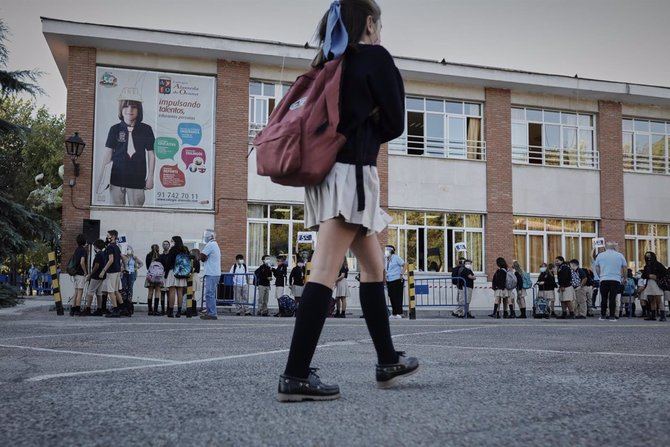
x: 540, y: 351
x: 94, y: 354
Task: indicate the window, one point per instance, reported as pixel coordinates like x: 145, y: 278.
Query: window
x: 538, y: 240
x: 643, y: 237
x: 441, y: 128
x: 263, y: 98
x: 646, y: 145
x: 427, y: 239
x: 553, y: 138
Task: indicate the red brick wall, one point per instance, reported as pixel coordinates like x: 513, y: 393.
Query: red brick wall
x: 80, y: 86
x: 612, y: 225
x: 497, y: 132
x: 230, y: 184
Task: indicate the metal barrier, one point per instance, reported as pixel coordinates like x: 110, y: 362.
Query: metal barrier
x: 590, y: 302
x: 555, y: 156
x: 440, y: 291
x: 225, y: 291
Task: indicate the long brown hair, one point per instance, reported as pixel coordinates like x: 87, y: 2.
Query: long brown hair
x: 354, y: 15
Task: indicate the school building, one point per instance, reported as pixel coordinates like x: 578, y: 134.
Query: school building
x: 517, y: 164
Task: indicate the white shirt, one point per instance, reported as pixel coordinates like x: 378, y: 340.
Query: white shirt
x: 239, y: 279
x: 213, y: 262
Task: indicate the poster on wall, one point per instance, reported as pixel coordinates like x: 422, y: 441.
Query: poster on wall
x: 154, y: 139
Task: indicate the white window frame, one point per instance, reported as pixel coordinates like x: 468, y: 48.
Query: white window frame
x: 634, y: 163
x: 651, y: 238
x: 279, y: 90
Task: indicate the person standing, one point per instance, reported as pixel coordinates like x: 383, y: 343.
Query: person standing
x: 131, y: 264
x: 394, y: 280
x: 112, y: 270
x: 96, y: 280
x: 522, y: 283
x: 297, y: 280
x: 263, y: 275
x: 652, y: 272
x: 546, y: 284
x: 499, y: 286
x: 566, y: 290
x: 280, y: 272
x: 240, y: 285
x: 177, y: 270
x: 33, y: 274
x: 455, y: 280
x: 163, y: 260
x: 346, y: 205
x: 155, y: 279
x: 582, y: 292
x: 211, y: 256
x: 341, y: 291
x: 80, y: 259
x: 610, y: 266
x: 466, y: 289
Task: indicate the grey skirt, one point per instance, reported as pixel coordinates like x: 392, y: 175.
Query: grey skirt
x: 336, y: 196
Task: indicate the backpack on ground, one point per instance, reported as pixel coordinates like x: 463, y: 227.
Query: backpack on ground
x: 155, y: 273
x: 71, y: 268
x: 510, y: 281
x: 182, y: 266
x: 541, y: 308
x: 526, y: 282
x: 286, y: 306
x: 299, y: 145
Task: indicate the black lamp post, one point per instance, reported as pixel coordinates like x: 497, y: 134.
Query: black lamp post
x: 74, y: 146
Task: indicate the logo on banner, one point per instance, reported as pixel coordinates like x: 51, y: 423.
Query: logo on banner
x: 164, y: 86
x: 460, y: 246
x: 306, y: 237
x: 598, y: 242
x: 108, y: 80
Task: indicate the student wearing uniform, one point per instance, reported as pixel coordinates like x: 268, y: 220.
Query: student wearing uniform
x: 175, y: 285
x: 465, y: 292
x: 499, y: 285
x: 130, y: 149
x: 546, y: 284
x: 113, y: 271
x: 263, y: 276
x: 456, y: 273
x: 80, y: 257
x: 153, y: 288
x: 520, y: 291
x: 341, y: 291
x: 346, y: 205
x: 280, y: 273
x: 297, y: 280
x: 582, y: 292
x: 240, y: 285
x: 652, y: 272
x: 163, y: 260
x: 566, y: 290
x: 95, y: 280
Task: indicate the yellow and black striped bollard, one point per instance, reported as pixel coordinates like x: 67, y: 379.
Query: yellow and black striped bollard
x: 190, y: 302
x: 412, y: 292
x: 55, y: 285
x: 308, y: 270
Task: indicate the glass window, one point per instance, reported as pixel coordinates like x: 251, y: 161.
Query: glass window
x: 456, y: 136
x: 473, y: 220
x: 298, y: 212
x: 657, y: 127
x: 535, y: 223
x: 519, y: 134
x: 414, y: 103
x: 280, y: 212
x: 519, y: 114
x: 257, y: 243
x: 534, y: 115
x: 278, y: 239
x: 627, y: 124
x: 255, y: 88
x: 397, y: 216
x: 552, y: 117
x: 454, y: 220
x: 569, y: 118
x: 268, y: 89
x: 454, y: 107
x: 641, y: 126
x: 552, y: 136
x: 585, y: 120
x: 435, y: 219
x: 554, y: 225
x: 435, y: 133
x: 415, y: 132
x: 259, y: 211
x: 435, y: 252
x: 473, y: 109
x: 571, y: 225
x: 519, y: 223
x: 536, y: 252
x: 434, y: 105
x: 570, y: 138
x: 520, y: 249
x: 588, y: 226
x: 415, y: 218
x: 475, y: 243
x: 658, y: 153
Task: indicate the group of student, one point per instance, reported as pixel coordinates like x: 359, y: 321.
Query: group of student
x: 576, y: 288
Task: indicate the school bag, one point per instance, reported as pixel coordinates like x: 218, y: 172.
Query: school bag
x: 629, y: 287
x: 286, y: 306
x: 664, y: 281
x: 456, y: 275
x: 299, y: 145
x: 182, y: 266
x: 71, y: 268
x: 510, y: 281
x: 526, y: 282
x: 155, y: 273
x: 541, y: 308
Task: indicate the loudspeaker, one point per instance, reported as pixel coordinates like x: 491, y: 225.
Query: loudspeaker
x: 91, y: 230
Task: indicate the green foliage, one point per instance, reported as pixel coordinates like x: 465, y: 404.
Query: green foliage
x: 21, y: 229
x: 9, y: 296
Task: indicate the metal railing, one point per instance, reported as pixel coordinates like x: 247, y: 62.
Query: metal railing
x: 439, y: 147
x: 254, y: 128
x: 440, y: 291
x: 656, y: 164
x: 225, y: 292
x: 554, y: 156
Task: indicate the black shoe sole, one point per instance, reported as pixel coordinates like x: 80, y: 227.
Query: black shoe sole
x: 282, y: 397
x: 385, y: 385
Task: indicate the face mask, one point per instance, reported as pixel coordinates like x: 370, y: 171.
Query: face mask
x: 240, y: 261
x: 543, y: 269
x: 468, y: 266
x: 300, y: 264
x: 267, y: 262
x: 387, y: 252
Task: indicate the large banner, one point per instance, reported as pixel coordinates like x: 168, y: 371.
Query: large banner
x: 154, y: 139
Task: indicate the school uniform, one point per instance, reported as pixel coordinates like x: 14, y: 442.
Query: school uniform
x: 170, y: 260
x: 113, y: 280
x: 351, y: 189
x: 464, y: 291
x: 263, y: 275
x: 582, y: 292
x: 341, y: 287
x: 499, y: 284
x: 95, y: 285
x: 565, y: 283
x: 297, y: 281
x: 520, y: 291
x: 80, y: 277
x: 240, y: 286
x: 280, y: 279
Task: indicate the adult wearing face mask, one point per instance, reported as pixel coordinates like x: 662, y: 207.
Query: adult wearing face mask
x: 263, y: 277
x: 297, y: 280
x: 610, y: 266
x: 211, y: 256
x: 546, y: 284
x: 394, y: 281
x: 239, y: 272
x: 653, y: 271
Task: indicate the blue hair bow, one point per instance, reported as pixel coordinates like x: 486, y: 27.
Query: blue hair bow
x: 337, y: 38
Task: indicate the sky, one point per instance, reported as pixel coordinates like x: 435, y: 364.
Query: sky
x: 619, y: 40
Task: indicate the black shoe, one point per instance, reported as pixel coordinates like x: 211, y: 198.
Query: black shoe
x: 86, y: 312
x: 170, y: 314
x: 498, y: 315
x: 208, y: 317
x: 178, y: 314
x: 115, y: 313
x: 97, y: 313
x: 388, y: 375
x: 493, y: 315
x: 293, y: 389
x: 343, y: 315
x: 505, y: 315
x: 470, y: 315
x: 663, y: 318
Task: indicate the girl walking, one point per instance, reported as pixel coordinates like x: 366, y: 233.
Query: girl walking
x: 341, y: 291
x: 653, y: 271
x: 345, y: 206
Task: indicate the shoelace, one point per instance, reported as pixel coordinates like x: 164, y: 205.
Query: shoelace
x: 313, y: 371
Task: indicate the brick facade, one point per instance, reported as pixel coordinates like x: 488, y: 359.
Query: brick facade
x: 80, y: 86
x: 499, y: 220
x: 383, y: 171
x: 230, y: 184
x: 612, y: 223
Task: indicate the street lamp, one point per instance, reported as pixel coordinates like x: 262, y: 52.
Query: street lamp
x: 74, y: 146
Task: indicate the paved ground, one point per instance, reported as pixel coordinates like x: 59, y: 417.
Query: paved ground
x: 153, y: 381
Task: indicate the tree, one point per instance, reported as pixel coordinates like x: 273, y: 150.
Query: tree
x: 22, y: 229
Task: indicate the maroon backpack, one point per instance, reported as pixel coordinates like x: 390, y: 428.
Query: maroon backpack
x: 299, y: 145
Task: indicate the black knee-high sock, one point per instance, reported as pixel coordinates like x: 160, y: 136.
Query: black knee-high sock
x: 156, y: 304
x: 373, y: 303
x: 309, y: 322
